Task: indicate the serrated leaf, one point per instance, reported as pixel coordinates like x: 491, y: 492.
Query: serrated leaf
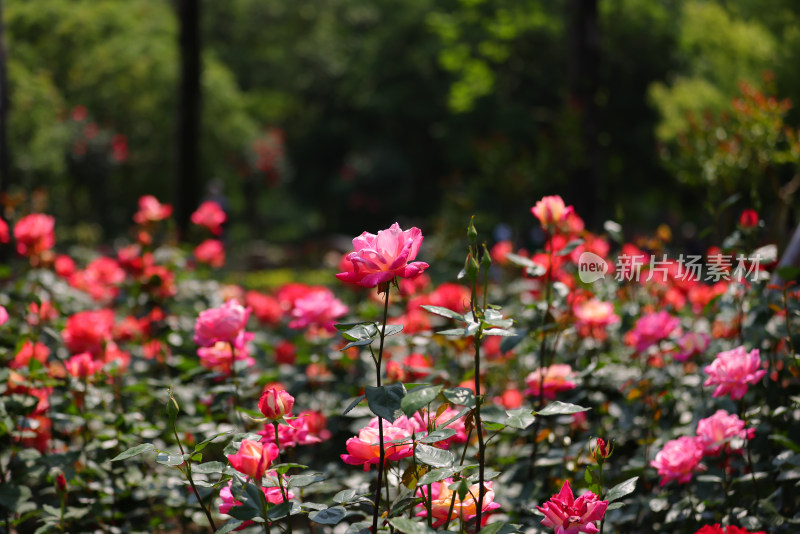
x: 622, y: 489
x: 203, y: 444
x: 409, y: 526
x: 347, y: 495
x: 454, y: 332
x: 208, y: 468
x: 443, y: 312
x: 353, y: 404
x: 569, y: 247
x: 561, y: 408
x: 499, y: 332
x: 460, y: 396
x: 302, y: 481
x: 442, y: 473
x: 434, y: 457
x: 520, y: 418
x: 392, y: 329
x: 165, y: 458
x: 328, y: 516
x: 418, y: 398
x: 230, y: 526
x: 361, y: 332
x: 133, y: 451
x: 384, y: 401
x: 359, y: 343
x: 438, y: 435
x: 282, y: 510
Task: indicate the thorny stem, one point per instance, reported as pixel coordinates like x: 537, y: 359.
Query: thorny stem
x: 382, y: 453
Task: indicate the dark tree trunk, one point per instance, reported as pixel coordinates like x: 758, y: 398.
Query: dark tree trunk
x: 189, y: 185
x: 5, y: 162
x: 5, y: 158
x: 587, y: 192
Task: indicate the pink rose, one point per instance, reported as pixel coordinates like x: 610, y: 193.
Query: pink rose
x: 35, y: 234
x: 365, y: 449
x: 4, y: 235
x: 569, y: 515
x: 275, y: 403
x: 220, y: 356
x: 253, y: 458
x: 225, y: 323
x: 30, y: 350
x: 733, y: 370
x: 379, y: 258
x: 211, y: 252
x: 88, y: 331
x: 652, y: 328
x: 211, y: 216
x: 317, y: 308
x: 151, y: 210
x: 715, y: 432
x: 678, y: 459
x: 551, y: 210
x: 83, y: 365
x: 3, y: 315
x: 442, y: 498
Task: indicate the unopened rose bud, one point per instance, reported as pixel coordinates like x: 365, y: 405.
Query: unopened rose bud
x: 601, y: 451
x: 748, y: 219
x: 61, y: 483
x: 275, y: 403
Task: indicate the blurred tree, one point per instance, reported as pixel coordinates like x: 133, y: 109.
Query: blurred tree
x: 188, y: 185
x: 120, y: 61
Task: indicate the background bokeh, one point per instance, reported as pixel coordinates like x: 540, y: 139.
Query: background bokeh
x: 336, y: 116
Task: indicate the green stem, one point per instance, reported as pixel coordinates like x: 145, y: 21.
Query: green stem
x: 284, y: 492
x: 188, y: 473
x: 382, y: 453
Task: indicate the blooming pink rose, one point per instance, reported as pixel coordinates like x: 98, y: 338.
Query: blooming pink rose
x: 83, y: 365
x: 318, y: 308
x: 100, y: 279
x: 211, y: 216
x: 275, y: 403
x: 733, y: 370
x: 678, y: 459
x: 690, y: 344
x: 715, y: 432
x: 225, y: 323
x: 558, y: 377
x: 88, y: 331
x: 551, y: 211
x: 35, y: 234
x: 422, y: 422
x: 569, y: 515
x: 442, y: 498
x: 365, y: 449
x: 211, y: 252
x: 652, y: 328
x: 253, y: 458
x: 307, y: 428
x: 379, y: 258
x: 151, y: 210
x: 3, y: 315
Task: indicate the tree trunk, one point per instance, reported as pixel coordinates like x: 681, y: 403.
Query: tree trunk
x: 586, y: 190
x: 189, y: 185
